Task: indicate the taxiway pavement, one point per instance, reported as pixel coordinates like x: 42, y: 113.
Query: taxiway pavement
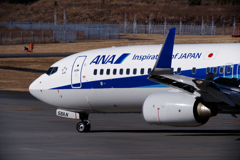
x: 29, y: 129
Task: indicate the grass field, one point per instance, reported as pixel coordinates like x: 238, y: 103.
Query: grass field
x: 125, y: 40
x: 19, y: 77
x: 22, y: 71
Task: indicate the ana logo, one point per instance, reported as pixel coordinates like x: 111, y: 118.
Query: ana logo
x: 105, y: 59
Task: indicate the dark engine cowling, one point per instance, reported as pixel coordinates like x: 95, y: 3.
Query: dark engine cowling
x: 175, y: 109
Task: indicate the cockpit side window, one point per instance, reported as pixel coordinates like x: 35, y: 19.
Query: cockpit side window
x: 49, y: 71
x: 52, y: 70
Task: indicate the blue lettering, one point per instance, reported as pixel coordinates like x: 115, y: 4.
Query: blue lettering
x: 184, y: 56
x: 134, y: 57
x: 149, y: 56
x: 143, y: 58
x: 198, y: 55
x: 176, y: 56
x: 110, y: 60
x: 95, y: 60
x: 193, y: 55
x: 103, y: 59
x: 189, y: 55
x: 180, y: 56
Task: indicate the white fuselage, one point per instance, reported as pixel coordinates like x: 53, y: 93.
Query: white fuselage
x: 114, y: 80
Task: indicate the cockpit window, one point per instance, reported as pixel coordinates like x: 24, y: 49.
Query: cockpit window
x: 52, y: 70
x: 49, y: 71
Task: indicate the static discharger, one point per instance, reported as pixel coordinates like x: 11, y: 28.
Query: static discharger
x: 30, y: 48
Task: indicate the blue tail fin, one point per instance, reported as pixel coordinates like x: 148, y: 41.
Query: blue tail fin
x: 164, y: 61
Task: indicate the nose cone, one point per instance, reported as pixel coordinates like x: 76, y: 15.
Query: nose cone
x: 34, y: 89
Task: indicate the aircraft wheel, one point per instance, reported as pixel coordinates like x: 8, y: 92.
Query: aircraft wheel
x: 88, y: 127
x: 83, y: 127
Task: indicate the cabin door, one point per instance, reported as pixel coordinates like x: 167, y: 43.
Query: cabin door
x: 76, y: 75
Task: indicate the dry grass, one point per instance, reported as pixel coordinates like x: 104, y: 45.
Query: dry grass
x: 125, y: 40
x: 29, y: 63
x: 15, y: 80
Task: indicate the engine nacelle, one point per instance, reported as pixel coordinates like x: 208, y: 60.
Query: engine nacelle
x: 175, y: 109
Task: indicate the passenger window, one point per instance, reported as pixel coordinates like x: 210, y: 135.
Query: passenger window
x: 228, y: 69
x: 101, y: 72
x: 121, y: 71
x: 108, y: 71
x: 114, y: 71
x: 194, y: 70
x: 142, y: 71
x: 215, y: 70
x: 221, y: 70
x: 208, y: 70
x: 134, y: 71
x: 178, y: 70
x: 149, y: 70
x: 95, y: 72
x: 128, y: 71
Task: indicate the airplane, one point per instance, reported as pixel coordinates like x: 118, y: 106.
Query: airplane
x: 174, y: 85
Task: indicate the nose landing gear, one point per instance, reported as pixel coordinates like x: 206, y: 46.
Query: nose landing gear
x: 84, y: 125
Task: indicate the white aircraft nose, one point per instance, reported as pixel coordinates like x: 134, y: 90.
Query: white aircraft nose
x: 33, y: 89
